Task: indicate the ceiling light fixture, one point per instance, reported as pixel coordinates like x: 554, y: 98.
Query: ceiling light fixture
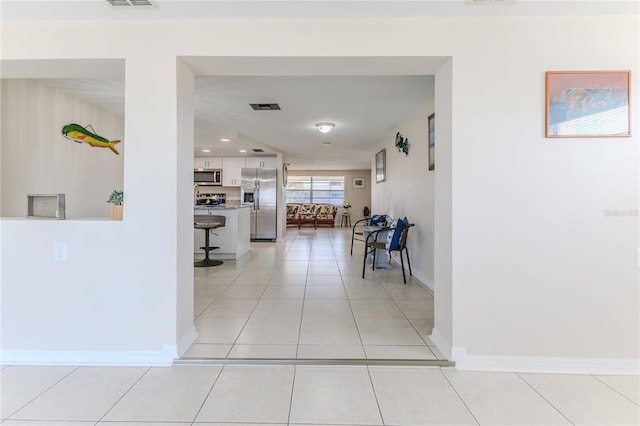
x: 206, y: 150
x: 225, y: 140
x: 243, y: 150
x: 325, y: 127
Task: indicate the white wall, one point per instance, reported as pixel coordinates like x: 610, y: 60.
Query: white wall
x: 409, y: 188
x: 37, y: 159
x: 539, y: 273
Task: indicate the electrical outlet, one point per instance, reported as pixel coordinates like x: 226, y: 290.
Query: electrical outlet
x: 60, y: 252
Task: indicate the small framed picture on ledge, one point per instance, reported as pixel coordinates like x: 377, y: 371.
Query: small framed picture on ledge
x: 358, y: 183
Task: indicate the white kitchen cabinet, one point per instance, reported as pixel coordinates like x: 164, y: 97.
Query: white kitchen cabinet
x: 262, y: 162
x: 232, y: 239
x: 232, y: 170
x: 207, y: 163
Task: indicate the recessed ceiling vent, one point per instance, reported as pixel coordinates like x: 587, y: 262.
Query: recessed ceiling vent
x: 258, y: 150
x: 129, y: 2
x: 265, y: 107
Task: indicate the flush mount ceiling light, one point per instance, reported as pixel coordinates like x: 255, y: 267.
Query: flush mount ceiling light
x: 206, y: 150
x: 225, y: 140
x: 325, y: 127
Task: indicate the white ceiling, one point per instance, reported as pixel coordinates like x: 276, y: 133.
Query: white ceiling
x: 304, y: 9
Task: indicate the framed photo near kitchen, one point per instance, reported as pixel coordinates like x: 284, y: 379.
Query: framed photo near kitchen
x: 358, y: 183
x: 380, y: 166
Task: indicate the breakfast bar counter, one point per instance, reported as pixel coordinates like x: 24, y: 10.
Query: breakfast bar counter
x: 233, y: 238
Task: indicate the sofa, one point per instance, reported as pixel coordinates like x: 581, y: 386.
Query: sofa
x: 307, y: 214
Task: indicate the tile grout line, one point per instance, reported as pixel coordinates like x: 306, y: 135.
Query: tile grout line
x: 615, y: 390
x: 459, y: 396
x: 293, y: 385
x: 208, y: 394
x: 408, y: 320
x: 375, y: 395
x: 124, y: 394
x: 73, y: 370
x: 545, y: 399
x: 353, y: 316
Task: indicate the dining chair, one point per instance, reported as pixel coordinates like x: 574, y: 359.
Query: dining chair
x: 396, y: 241
x: 356, y: 230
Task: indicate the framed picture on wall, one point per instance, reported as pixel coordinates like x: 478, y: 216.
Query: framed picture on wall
x: 432, y: 141
x: 358, y: 182
x: 380, y: 166
x: 583, y: 104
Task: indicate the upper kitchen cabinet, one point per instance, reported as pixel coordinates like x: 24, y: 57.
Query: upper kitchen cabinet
x: 262, y: 162
x: 207, y: 163
x: 232, y: 170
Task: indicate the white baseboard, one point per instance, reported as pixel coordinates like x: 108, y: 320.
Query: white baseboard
x: 164, y: 357
x: 186, y: 341
x: 443, y: 345
x: 554, y: 365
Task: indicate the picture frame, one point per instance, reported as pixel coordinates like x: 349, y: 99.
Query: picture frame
x: 587, y: 104
x: 432, y: 141
x: 358, y: 183
x: 381, y: 160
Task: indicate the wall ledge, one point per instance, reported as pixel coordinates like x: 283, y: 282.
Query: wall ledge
x: 553, y: 365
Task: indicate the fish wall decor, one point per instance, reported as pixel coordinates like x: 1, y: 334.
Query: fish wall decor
x: 79, y: 134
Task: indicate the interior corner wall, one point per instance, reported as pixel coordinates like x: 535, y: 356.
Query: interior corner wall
x: 37, y: 159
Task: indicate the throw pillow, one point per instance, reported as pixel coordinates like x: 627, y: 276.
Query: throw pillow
x: 393, y: 238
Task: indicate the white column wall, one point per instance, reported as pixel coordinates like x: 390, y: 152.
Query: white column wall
x: 185, y: 330
x: 536, y: 268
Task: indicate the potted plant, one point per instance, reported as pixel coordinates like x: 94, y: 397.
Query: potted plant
x: 116, y: 198
x: 346, y: 206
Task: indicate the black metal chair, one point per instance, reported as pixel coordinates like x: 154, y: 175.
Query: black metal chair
x: 208, y: 222
x: 356, y: 230
x: 372, y: 245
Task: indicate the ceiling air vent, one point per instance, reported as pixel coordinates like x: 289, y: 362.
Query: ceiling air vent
x: 129, y: 2
x: 265, y: 107
x: 258, y: 150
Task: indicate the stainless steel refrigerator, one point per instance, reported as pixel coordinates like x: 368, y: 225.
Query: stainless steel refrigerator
x: 259, y: 191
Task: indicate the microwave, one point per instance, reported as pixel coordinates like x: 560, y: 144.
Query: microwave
x: 207, y: 177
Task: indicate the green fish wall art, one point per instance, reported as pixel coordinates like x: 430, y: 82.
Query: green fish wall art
x: 79, y: 134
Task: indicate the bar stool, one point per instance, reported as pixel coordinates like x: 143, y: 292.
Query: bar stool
x: 208, y: 222
x: 346, y: 220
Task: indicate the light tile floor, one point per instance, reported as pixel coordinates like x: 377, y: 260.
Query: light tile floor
x: 310, y: 395
x: 305, y: 298
x: 240, y: 302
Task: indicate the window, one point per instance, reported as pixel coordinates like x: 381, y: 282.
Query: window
x: 315, y: 189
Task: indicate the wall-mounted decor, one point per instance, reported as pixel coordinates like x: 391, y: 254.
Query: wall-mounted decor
x: 380, y: 166
x: 402, y: 144
x: 432, y: 141
x: 587, y: 104
x: 79, y: 134
x: 358, y: 182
